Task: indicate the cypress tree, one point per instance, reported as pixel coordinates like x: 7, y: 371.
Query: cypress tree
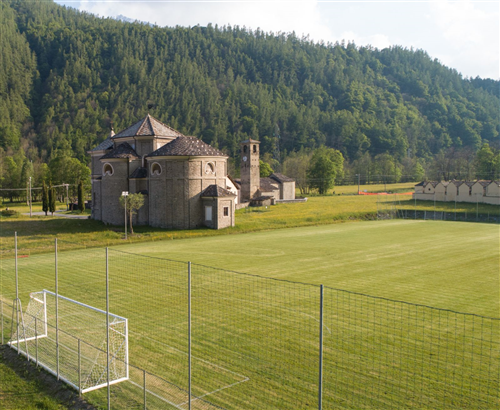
x: 52, y: 200
x: 45, y: 198
x: 81, y: 205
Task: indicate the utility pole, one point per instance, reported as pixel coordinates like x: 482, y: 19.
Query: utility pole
x: 31, y: 208
x: 359, y: 176
x: 67, y: 197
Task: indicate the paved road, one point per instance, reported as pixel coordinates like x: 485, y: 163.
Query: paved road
x: 61, y: 214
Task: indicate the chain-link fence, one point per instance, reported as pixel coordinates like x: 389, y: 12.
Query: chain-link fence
x: 400, y: 207
x: 204, y: 338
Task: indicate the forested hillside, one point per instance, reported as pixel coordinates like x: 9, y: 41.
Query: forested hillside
x: 67, y: 76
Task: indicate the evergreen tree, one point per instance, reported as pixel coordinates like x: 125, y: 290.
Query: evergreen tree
x: 45, y: 198
x: 52, y: 199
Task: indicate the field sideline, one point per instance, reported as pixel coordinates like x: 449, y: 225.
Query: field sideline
x: 450, y: 265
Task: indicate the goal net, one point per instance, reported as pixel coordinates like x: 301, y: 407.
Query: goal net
x: 81, y: 360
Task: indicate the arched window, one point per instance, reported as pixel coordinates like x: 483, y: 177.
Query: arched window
x: 210, y: 168
x: 155, y: 169
x: 245, y: 149
x: 255, y: 148
x: 107, y: 170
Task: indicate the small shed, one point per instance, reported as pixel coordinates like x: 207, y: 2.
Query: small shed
x: 452, y: 190
x: 464, y: 192
x: 440, y: 190
x: 218, y: 207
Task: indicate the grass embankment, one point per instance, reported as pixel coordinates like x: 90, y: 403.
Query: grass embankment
x: 36, y: 234
x: 23, y: 390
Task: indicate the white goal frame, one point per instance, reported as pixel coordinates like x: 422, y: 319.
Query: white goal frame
x: 38, y: 327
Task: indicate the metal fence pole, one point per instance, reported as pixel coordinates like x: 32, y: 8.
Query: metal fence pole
x: 17, y: 292
x: 189, y: 333
x: 320, y: 389
x: 144, y: 387
x: 1, y: 313
x: 57, y: 310
x: 107, y: 330
x: 79, y: 368
x: 36, y: 341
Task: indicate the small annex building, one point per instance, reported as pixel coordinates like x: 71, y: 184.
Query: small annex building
x: 184, y: 180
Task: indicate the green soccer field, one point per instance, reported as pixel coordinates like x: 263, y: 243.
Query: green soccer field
x: 255, y: 340
x: 450, y: 265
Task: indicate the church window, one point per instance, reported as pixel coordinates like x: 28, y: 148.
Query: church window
x: 245, y: 149
x: 210, y: 168
x: 155, y: 169
x: 226, y: 211
x: 255, y: 148
x: 107, y: 170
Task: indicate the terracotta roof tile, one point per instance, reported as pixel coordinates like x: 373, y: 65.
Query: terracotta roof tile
x: 121, y: 151
x: 187, y: 146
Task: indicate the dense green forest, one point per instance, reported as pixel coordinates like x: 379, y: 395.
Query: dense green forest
x: 66, y: 77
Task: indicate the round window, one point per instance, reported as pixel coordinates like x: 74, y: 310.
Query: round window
x: 107, y: 170
x: 155, y: 169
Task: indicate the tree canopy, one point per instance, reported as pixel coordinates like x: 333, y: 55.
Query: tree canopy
x: 67, y: 76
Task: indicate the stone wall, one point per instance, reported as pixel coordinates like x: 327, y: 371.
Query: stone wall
x: 112, y: 187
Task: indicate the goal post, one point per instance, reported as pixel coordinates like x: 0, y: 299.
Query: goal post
x: 82, y: 341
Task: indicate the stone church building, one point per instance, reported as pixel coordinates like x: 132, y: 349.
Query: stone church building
x: 184, y: 180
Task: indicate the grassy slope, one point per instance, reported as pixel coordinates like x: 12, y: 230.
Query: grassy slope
x: 36, y: 234
x: 24, y: 393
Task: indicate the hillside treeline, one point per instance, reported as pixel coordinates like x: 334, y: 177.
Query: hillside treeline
x: 66, y: 77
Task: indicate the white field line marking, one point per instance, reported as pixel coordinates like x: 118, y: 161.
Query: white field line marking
x: 156, y: 395
x: 194, y: 357
x: 216, y: 391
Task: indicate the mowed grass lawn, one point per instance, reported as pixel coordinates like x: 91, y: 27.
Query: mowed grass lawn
x: 255, y: 341
x: 260, y: 336
x: 450, y: 265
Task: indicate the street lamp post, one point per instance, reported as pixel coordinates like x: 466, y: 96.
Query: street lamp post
x: 125, y: 194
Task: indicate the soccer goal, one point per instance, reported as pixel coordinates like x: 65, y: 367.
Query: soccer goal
x: 81, y: 359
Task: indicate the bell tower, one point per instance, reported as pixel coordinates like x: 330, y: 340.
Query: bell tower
x: 250, y: 170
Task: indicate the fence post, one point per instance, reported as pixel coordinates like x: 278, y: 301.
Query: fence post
x: 320, y: 390
x: 144, y: 387
x: 107, y: 330
x: 36, y: 341
x: 79, y: 368
x: 57, y: 310
x: 1, y: 313
x: 189, y: 333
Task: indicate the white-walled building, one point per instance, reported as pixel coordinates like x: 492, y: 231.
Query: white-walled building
x: 461, y: 191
